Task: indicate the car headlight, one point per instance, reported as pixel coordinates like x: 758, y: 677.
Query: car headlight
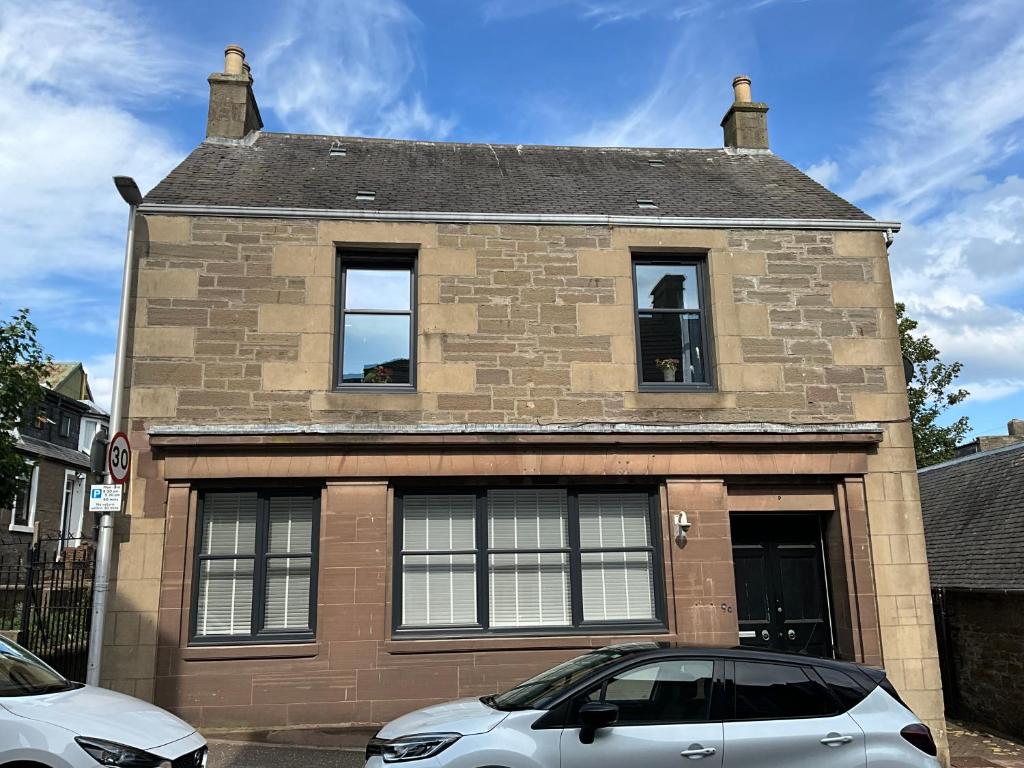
x: 112, y: 753
x: 406, y: 748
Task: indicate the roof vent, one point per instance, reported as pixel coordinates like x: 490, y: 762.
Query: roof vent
x: 644, y: 202
x: 338, y: 149
x: 655, y: 162
x: 366, y: 195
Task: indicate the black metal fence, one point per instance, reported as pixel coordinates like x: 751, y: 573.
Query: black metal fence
x: 46, y: 602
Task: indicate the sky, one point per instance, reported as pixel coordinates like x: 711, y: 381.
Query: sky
x: 911, y: 109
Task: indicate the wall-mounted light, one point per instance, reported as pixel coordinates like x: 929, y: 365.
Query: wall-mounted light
x: 683, y: 525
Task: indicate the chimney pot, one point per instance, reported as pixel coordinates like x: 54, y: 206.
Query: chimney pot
x: 1015, y: 428
x: 741, y: 89
x: 234, y: 60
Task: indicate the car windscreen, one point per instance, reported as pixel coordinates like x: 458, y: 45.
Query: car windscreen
x: 538, y: 691
x: 22, y: 674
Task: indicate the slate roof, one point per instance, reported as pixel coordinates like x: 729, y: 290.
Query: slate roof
x: 50, y: 451
x: 298, y: 171
x: 974, y: 520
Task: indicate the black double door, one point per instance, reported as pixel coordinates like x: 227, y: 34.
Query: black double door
x: 781, y: 585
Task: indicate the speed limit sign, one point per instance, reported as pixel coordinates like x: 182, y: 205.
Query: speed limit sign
x: 119, y: 458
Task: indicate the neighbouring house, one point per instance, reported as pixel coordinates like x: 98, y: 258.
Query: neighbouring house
x: 413, y: 420
x: 973, y: 510
x: 1014, y: 434
x: 57, y: 439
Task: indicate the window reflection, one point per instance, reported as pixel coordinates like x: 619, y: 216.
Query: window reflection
x: 376, y: 349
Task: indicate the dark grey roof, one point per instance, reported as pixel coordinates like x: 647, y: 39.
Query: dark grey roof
x: 974, y: 520
x: 281, y: 170
x: 50, y: 451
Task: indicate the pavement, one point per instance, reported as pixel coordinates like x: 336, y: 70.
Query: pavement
x: 969, y: 747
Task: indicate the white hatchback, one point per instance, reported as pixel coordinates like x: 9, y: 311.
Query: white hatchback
x: 47, y: 721
x: 654, y: 706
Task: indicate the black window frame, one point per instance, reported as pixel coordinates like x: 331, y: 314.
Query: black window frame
x: 345, y: 259
x: 65, y: 419
x: 258, y: 635
x: 574, y: 550
x: 699, y: 261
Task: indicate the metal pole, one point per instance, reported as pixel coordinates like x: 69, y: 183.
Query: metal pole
x: 105, y: 537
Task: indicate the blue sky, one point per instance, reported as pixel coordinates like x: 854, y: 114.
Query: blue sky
x: 912, y: 110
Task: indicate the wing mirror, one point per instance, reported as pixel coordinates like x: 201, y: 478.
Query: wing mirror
x: 594, y: 715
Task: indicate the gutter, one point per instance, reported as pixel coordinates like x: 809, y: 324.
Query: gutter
x: 581, y: 219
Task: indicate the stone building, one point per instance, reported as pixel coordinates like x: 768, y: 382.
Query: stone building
x: 973, y: 510
x: 415, y: 420
x: 57, y: 440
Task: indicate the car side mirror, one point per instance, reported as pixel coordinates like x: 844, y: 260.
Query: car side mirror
x: 594, y: 715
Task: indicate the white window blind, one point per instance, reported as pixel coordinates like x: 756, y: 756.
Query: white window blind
x: 224, y: 605
x: 617, y: 585
x: 289, y: 562
x: 438, y: 582
x: 256, y: 564
x: 531, y: 588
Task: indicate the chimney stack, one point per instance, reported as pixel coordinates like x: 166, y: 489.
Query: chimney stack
x: 745, y: 125
x: 1015, y: 428
x: 233, y: 112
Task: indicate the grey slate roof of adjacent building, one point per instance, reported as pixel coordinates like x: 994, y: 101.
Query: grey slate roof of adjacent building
x: 279, y: 170
x: 50, y: 451
x: 974, y: 520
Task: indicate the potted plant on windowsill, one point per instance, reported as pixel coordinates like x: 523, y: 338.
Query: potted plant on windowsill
x: 668, y: 366
x: 378, y: 375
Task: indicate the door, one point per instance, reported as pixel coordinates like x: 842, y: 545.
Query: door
x: 781, y: 585
x: 665, y: 719
x: 786, y: 718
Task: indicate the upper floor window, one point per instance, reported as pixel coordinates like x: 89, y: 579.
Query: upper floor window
x: 671, y: 321
x: 86, y: 433
x: 66, y: 424
x: 255, y: 567
x: 376, y: 338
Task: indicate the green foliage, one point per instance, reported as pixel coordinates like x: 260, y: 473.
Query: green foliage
x: 22, y: 367
x: 930, y: 394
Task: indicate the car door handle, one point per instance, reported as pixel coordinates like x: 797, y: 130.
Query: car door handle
x: 696, y: 752
x: 835, y: 740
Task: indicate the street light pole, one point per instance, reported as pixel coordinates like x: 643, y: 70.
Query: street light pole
x: 129, y: 192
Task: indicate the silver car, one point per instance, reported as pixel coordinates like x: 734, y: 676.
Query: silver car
x: 655, y: 706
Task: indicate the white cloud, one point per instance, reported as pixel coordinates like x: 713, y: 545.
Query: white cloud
x: 101, y: 378
x: 347, y: 67
x: 825, y: 172
x: 69, y: 72
x: 611, y: 11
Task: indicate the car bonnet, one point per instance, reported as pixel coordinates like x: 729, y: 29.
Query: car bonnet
x: 102, y: 714
x: 462, y: 716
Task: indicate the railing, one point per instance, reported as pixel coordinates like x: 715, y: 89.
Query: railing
x: 45, y: 601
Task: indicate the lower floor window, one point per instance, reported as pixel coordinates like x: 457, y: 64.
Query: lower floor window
x: 255, y: 571
x: 527, y: 559
x: 23, y: 511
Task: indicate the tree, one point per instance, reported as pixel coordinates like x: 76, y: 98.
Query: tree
x: 22, y: 368
x: 930, y: 394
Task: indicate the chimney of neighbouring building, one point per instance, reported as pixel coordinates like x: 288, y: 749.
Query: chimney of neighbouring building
x: 1015, y: 428
x: 233, y: 113
x: 745, y: 125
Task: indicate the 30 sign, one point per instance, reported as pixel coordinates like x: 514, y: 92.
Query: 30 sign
x: 119, y: 458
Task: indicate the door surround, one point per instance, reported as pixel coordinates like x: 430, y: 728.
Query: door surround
x: 843, y: 503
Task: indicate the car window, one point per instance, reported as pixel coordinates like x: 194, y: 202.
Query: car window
x: 22, y: 674
x: 545, y: 687
x: 778, y: 691
x: 668, y: 691
x: 847, y: 690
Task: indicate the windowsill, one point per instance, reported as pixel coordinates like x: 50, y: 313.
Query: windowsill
x: 304, y: 650
x: 586, y: 638
x: 21, y: 528
x: 364, y: 389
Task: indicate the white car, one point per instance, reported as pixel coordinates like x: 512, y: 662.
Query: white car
x: 47, y: 721
x: 644, y: 705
